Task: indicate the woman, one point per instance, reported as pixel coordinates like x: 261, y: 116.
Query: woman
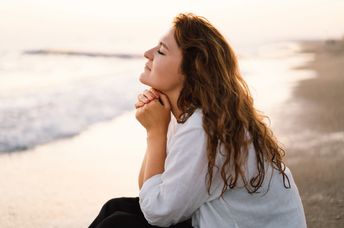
x: 213, y: 162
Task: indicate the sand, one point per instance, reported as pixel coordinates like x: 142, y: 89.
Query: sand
x: 70, y: 179
x: 65, y: 183
x: 315, y: 144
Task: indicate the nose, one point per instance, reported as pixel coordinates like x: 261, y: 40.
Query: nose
x: 149, y: 54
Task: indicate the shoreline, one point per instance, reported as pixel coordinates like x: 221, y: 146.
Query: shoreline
x: 315, y: 148
x: 69, y: 180
x: 77, y: 175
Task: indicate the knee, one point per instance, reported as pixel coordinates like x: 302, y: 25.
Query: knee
x: 113, y: 201
x: 126, y: 204
x: 122, y: 219
x: 117, y: 202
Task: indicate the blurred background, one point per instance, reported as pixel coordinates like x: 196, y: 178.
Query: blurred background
x: 69, y: 140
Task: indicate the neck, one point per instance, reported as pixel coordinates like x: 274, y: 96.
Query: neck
x: 173, y: 97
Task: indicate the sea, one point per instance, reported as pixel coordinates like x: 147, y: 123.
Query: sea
x: 49, y: 94
x: 69, y: 140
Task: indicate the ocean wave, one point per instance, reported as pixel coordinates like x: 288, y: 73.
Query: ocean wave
x: 46, y: 100
x: 81, y: 53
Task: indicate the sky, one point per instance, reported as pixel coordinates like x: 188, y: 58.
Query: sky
x: 134, y: 24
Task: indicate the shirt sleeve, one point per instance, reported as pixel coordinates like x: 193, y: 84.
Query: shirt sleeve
x: 174, y: 195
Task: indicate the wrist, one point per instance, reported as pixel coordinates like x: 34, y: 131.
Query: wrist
x: 156, y: 133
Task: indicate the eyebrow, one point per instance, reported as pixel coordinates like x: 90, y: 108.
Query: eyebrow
x: 163, y: 44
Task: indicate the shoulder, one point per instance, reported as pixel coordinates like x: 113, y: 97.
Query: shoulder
x: 191, y: 131
x: 194, y: 121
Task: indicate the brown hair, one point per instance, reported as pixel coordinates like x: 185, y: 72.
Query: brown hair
x: 214, y: 84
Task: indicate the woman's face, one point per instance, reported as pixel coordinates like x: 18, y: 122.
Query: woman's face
x: 162, y: 70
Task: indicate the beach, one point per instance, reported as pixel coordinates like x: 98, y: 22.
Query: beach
x: 69, y: 139
x: 65, y: 182
x: 315, y: 135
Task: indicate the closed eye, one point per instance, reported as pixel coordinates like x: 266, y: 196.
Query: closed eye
x: 159, y: 52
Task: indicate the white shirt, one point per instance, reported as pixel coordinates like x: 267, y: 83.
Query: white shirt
x: 180, y: 192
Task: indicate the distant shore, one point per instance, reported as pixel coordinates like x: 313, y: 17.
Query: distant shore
x: 316, y: 145
x: 69, y: 180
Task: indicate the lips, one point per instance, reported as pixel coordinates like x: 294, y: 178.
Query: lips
x: 148, y: 68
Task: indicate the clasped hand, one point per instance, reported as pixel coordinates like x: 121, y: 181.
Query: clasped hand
x: 153, y: 111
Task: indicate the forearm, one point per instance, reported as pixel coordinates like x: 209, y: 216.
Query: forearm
x: 155, y: 154
x: 142, y: 171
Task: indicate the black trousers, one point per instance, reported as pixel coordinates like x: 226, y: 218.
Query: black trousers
x: 125, y: 212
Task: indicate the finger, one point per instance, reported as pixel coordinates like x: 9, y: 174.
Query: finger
x: 143, y: 98
x: 150, y: 95
x: 165, y: 101
x: 155, y: 92
x: 139, y: 104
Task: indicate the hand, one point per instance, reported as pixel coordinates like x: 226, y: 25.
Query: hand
x: 146, y: 97
x: 155, y: 116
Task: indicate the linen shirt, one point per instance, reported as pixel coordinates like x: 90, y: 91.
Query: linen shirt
x: 180, y: 192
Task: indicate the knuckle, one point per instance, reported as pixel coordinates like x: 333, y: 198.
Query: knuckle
x: 152, y: 91
x: 148, y: 94
x: 141, y: 97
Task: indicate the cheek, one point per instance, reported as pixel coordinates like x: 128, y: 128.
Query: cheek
x: 155, y: 78
x: 164, y: 68
x: 164, y: 76
x: 168, y: 75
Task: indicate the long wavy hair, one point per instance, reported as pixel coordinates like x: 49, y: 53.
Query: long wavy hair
x: 214, y: 84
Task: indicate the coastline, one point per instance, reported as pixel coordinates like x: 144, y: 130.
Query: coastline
x: 70, y: 179
x: 65, y: 183
x: 315, y: 145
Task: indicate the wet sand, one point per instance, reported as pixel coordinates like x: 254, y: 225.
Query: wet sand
x: 64, y: 184
x: 315, y: 135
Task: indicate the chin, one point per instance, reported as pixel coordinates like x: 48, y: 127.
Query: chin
x: 143, y: 80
